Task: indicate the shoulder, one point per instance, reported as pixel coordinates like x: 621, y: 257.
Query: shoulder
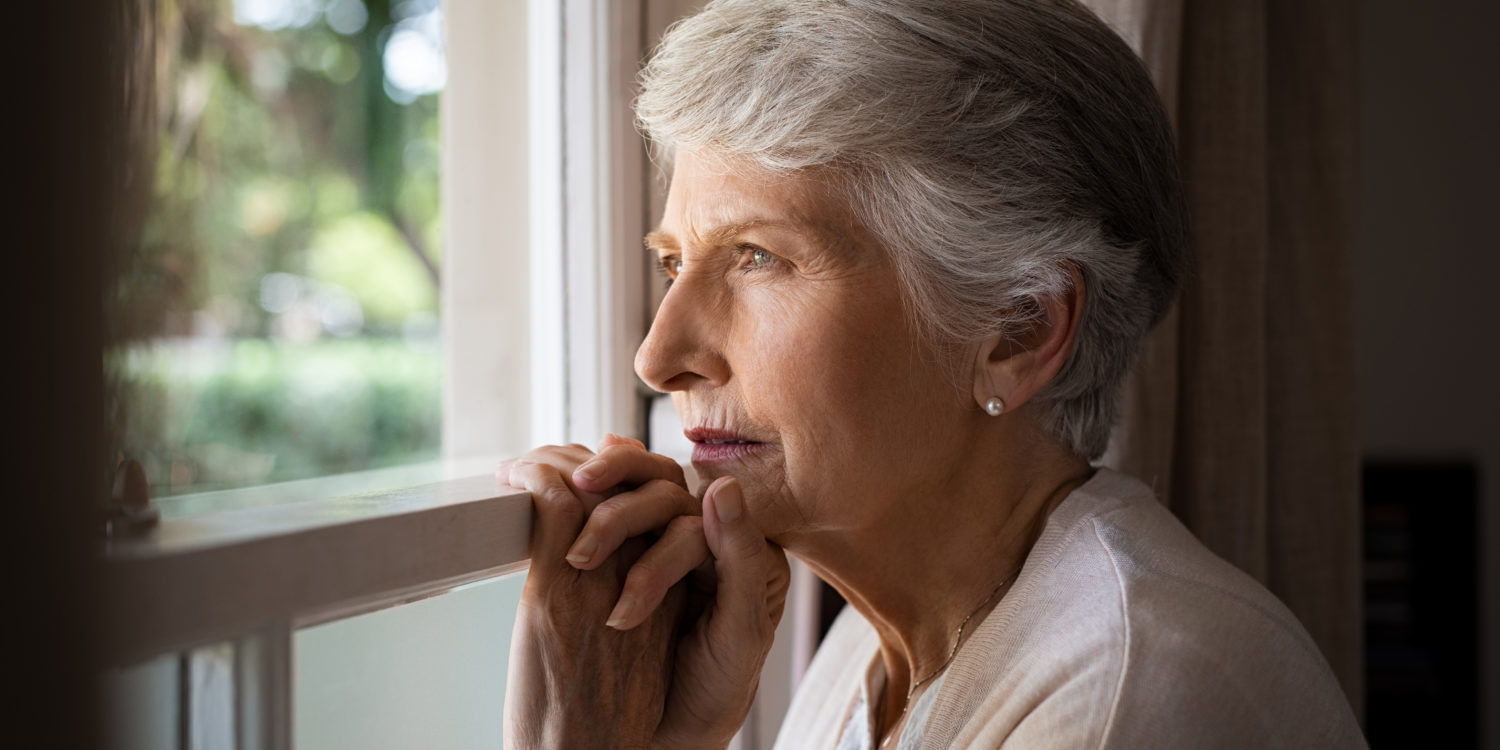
x: 1125, y: 631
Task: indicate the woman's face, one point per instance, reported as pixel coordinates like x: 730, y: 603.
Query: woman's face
x: 786, y: 348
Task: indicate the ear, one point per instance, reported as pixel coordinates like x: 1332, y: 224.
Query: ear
x: 1016, y: 369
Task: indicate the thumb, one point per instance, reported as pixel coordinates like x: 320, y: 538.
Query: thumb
x: 741, y: 613
x: 732, y: 536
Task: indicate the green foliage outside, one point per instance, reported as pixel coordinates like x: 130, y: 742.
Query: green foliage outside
x: 229, y: 414
x: 278, y: 317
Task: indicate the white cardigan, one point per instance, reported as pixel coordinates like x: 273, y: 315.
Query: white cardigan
x: 1122, y: 631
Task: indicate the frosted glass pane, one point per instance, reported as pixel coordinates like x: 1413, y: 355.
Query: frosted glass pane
x: 426, y: 674
x: 211, y: 697
x: 140, y: 705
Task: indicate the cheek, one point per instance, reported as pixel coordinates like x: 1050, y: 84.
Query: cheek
x: 840, y: 378
x: 794, y: 354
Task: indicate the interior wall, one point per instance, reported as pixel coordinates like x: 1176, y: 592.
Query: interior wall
x: 1428, y: 261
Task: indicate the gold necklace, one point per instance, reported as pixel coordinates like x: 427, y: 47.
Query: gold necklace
x: 957, y: 640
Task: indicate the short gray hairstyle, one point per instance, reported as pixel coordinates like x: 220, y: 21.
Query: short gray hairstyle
x: 987, y: 144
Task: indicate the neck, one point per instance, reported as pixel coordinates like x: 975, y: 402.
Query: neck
x: 916, y: 571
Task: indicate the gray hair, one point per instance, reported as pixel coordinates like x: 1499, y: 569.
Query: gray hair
x: 988, y: 145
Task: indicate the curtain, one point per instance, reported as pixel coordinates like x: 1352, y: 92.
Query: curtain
x: 1241, y: 410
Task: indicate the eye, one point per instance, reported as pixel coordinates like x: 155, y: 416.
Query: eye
x: 756, y: 257
x: 670, y: 266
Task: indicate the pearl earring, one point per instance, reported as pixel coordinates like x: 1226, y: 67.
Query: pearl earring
x: 994, y: 407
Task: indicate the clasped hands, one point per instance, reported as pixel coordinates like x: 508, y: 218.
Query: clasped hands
x: 647, y: 612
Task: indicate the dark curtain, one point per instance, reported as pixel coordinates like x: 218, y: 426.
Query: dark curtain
x: 1241, y: 411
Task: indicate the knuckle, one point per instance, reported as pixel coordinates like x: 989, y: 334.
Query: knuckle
x: 556, y: 454
x: 781, y: 569
x: 686, y: 525
x: 669, y: 469
x: 643, y: 579
x: 619, y: 453
x: 605, y: 516
x: 537, y: 452
x: 525, y: 470
x: 541, y: 474
x: 681, y: 499
x: 549, y: 489
x: 567, y: 508
x: 615, y: 448
x: 745, y: 545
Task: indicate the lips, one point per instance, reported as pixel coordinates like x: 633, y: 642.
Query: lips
x: 711, y: 445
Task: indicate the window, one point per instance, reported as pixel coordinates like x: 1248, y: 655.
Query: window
x: 307, y: 615
x: 279, y: 320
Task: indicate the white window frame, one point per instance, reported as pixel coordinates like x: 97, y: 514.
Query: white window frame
x: 588, y: 308
x: 545, y: 301
x: 252, y: 577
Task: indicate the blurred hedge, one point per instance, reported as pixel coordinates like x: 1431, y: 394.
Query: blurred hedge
x: 204, y: 415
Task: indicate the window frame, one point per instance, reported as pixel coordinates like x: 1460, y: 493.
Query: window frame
x: 551, y: 320
x: 252, y: 577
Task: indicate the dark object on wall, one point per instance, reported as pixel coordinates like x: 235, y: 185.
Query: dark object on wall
x: 1421, y: 604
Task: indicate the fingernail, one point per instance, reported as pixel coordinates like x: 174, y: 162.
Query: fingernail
x: 728, y: 503
x: 588, y: 471
x: 622, y: 611
x: 583, y: 550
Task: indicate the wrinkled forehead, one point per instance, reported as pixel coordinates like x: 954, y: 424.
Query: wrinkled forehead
x: 714, y: 194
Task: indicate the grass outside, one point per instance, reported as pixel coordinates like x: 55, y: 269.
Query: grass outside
x: 206, y: 415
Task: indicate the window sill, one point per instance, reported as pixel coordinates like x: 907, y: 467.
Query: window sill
x: 199, y: 579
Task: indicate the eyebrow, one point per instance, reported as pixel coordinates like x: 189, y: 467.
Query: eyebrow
x: 657, y: 239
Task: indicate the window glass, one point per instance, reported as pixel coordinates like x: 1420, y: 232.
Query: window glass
x: 141, y: 705
x: 426, y: 674
x: 278, y: 319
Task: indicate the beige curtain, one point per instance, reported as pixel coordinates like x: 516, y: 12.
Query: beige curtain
x: 1241, y: 411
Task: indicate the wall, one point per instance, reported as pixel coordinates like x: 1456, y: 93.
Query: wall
x: 1428, y: 260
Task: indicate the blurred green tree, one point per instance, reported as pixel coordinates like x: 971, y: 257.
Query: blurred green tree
x: 295, y: 203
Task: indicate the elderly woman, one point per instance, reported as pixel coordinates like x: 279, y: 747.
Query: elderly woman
x: 913, y: 248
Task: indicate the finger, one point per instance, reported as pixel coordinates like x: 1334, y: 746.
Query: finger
x: 626, y: 463
x: 558, y: 511
x: 651, y: 506
x: 565, y: 457
x: 750, y: 573
x: 613, y: 439
x: 562, y: 458
x: 679, y: 551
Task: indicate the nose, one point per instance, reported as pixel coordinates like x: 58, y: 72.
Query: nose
x: 682, y: 350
